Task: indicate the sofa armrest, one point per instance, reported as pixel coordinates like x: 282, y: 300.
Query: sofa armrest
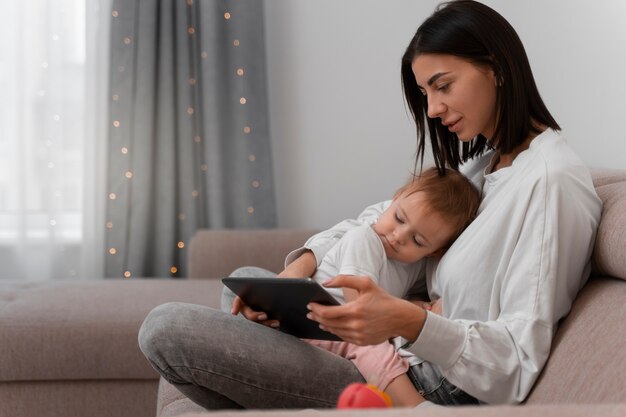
x: 216, y: 253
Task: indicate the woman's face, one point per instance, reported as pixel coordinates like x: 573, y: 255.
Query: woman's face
x: 461, y: 94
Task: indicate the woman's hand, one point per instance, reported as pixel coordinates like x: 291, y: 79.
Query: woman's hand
x: 257, y: 316
x: 372, y: 318
x: 304, y: 266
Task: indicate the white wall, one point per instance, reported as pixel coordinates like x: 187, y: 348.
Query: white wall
x: 341, y: 134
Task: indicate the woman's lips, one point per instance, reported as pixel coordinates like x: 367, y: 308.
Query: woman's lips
x: 453, y: 127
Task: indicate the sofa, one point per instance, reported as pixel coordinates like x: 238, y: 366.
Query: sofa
x: 69, y: 348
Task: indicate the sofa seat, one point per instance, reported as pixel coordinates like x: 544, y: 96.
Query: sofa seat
x: 69, y: 347
x: 603, y: 410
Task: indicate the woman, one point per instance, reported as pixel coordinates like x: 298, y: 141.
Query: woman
x: 504, y: 284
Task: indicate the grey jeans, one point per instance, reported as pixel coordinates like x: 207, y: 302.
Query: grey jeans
x: 223, y: 361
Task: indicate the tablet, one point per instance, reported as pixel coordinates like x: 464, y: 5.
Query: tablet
x: 285, y: 300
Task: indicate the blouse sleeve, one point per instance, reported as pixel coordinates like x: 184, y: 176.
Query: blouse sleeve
x: 321, y: 243
x: 498, y: 360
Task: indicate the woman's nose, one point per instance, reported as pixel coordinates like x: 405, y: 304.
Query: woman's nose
x: 435, y: 106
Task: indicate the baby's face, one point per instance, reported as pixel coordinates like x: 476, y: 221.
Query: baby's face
x: 410, y: 230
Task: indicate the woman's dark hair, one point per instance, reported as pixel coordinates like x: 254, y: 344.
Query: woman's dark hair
x: 477, y: 33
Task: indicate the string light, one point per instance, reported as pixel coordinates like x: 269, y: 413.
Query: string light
x: 112, y: 196
x: 127, y: 274
x: 240, y: 72
x: 246, y: 130
x: 236, y: 42
x: 116, y: 123
x: 114, y: 13
x: 173, y: 270
x: 191, y: 30
x: 124, y: 151
x: 251, y: 158
x: 190, y: 110
x: 194, y: 193
x: 128, y: 174
x: 250, y: 210
x: 127, y: 40
x: 109, y: 225
x: 115, y: 97
x: 204, y: 167
x: 112, y: 251
x: 181, y: 245
x: 227, y: 16
x: 243, y: 100
x: 256, y: 184
x: 192, y: 81
x: 204, y: 55
x: 197, y: 139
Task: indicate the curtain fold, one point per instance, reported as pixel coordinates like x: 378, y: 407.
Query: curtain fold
x: 188, y: 135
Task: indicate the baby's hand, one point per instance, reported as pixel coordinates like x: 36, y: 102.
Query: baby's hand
x: 426, y: 305
x: 436, y: 306
x: 432, y: 306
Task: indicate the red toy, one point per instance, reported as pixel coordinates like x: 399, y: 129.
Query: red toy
x: 359, y: 395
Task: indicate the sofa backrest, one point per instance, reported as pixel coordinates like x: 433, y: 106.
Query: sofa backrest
x: 609, y: 256
x: 587, y: 363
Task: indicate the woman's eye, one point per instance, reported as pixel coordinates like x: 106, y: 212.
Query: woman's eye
x: 443, y: 87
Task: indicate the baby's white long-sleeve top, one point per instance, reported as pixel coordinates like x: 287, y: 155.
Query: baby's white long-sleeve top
x: 361, y: 252
x: 511, y: 275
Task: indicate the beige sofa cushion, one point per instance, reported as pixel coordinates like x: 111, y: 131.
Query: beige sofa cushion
x: 87, y: 330
x: 588, y: 359
x: 609, y: 256
x: 603, y: 410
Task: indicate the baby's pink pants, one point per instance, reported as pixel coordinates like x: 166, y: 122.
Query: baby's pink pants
x: 379, y: 364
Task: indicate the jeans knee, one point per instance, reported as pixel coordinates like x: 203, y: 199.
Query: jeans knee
x: 157, y: 330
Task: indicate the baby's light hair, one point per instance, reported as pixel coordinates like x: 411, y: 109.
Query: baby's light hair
x: 451, y: 195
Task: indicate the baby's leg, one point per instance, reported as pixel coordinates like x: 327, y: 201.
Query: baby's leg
x: 381, y: 365
x: 403, y: 393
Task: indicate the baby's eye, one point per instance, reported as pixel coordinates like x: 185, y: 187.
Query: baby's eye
x: 417, y: 242
x: 398, y: 219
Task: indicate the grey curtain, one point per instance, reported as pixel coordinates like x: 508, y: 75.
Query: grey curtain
x: 188, y: 142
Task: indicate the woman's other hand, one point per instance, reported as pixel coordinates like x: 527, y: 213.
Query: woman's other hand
x: 304, y: 266
x: 257, y: 316
x: 372, y: 318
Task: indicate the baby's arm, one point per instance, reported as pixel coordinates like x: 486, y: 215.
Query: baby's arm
x: 303, y: 267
